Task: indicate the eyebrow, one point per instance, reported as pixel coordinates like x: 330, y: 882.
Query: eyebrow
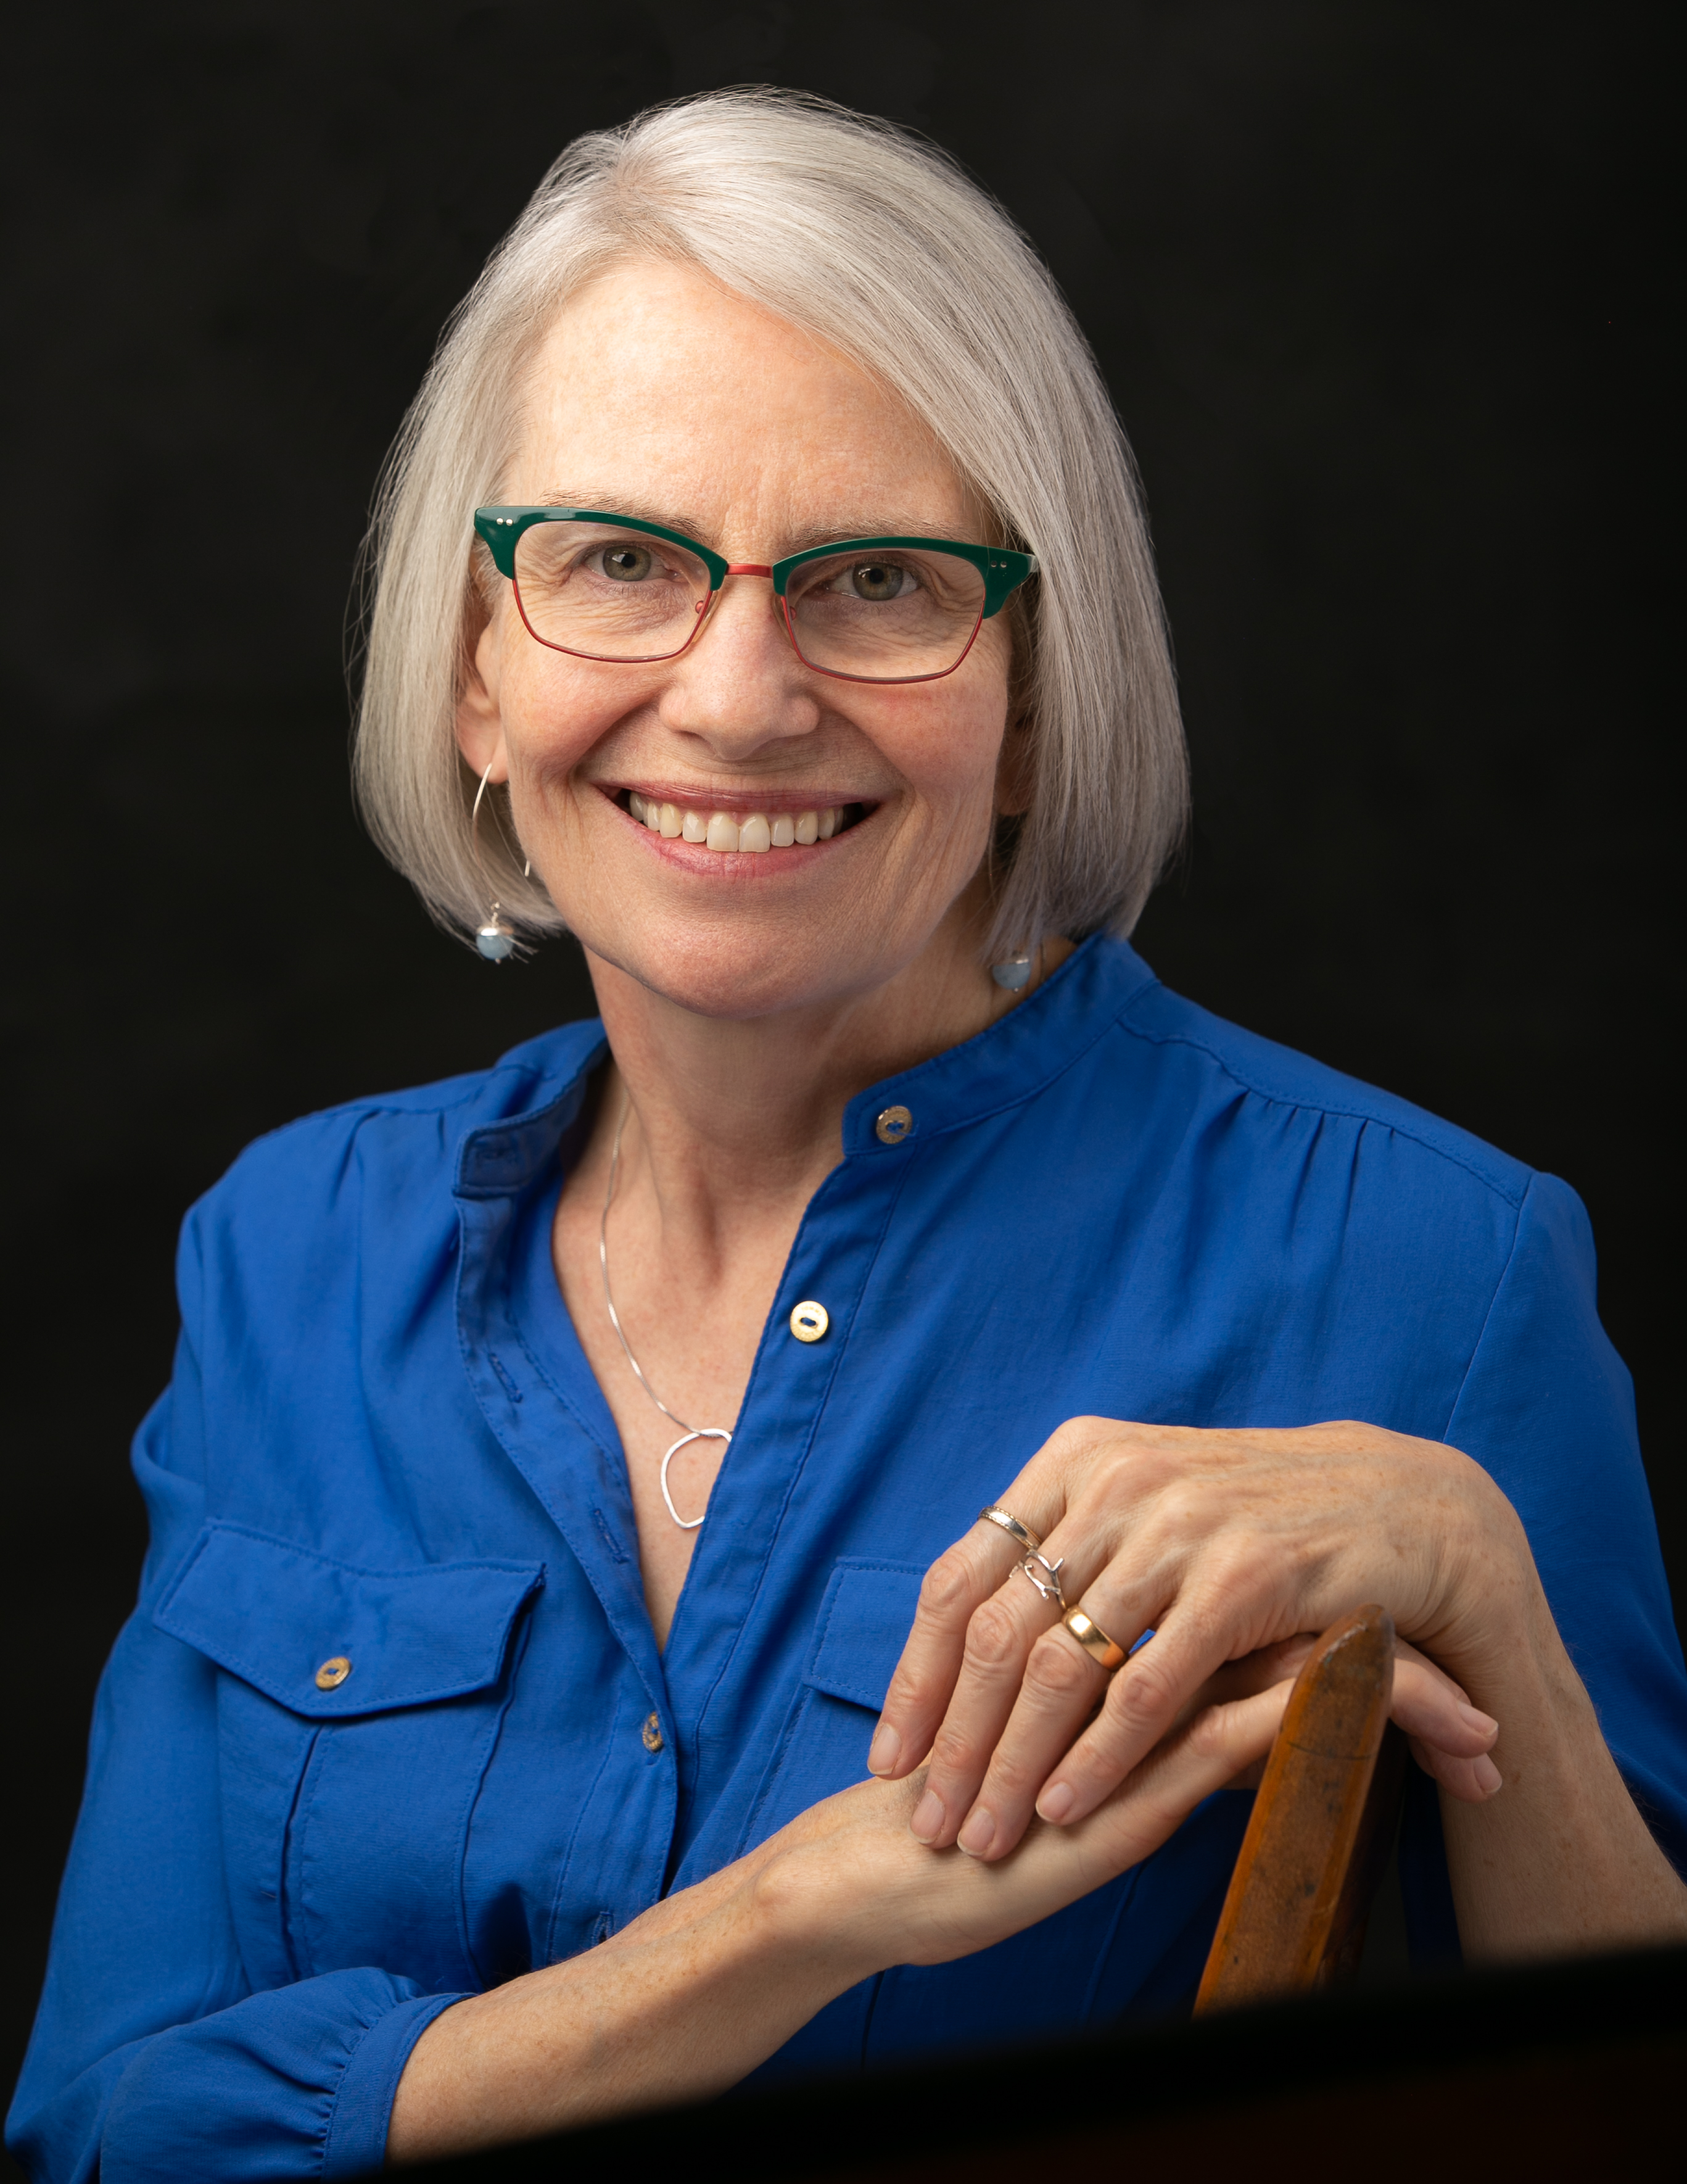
x: 615, y: 503
x: 878, y: 525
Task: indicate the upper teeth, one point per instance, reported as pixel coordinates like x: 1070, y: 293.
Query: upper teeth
x: 721, y: 830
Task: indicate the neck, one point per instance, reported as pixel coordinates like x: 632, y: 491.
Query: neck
x: 732, y: 1120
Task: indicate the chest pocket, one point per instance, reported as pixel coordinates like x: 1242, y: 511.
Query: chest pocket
x: 862, y: 1626
x: 357, y: 1711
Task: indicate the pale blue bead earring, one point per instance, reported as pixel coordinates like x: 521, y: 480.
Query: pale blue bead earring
x: 1013, y: 974
x: 494, y: 937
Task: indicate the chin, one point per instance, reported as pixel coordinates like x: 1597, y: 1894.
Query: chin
x: 737, y: 977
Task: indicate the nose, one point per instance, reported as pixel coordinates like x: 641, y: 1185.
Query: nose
x: 741, y: 687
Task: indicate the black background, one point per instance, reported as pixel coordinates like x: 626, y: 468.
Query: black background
x: 1380, y: 292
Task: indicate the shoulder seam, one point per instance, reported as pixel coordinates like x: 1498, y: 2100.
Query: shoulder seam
x: 1352, y: 1113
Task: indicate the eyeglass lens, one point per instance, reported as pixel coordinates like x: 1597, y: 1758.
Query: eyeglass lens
x: 884, y: 616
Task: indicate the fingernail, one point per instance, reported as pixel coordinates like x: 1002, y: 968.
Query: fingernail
x: 978, y: 1833
x: 928, y: 1817
x: 1489, y: 1778
x: 1473, y: 1717
x: 1056, y: 1802
x: 887, y: 1747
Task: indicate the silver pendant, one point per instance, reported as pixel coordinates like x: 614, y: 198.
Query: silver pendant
x: 699, y: 1432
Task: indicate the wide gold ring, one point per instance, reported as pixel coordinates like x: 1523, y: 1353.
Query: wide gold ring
x: 1010, y: 1524
x: 1094, y: 1640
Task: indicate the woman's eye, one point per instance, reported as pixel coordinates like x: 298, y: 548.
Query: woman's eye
x: 875, y: 581
x: 626, y: 564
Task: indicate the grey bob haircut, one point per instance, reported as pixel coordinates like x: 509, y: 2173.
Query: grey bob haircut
x: 878, y: 245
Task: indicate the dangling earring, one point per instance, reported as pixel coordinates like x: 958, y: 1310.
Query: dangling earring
x: 495, y: 938
x: 1013, y: 974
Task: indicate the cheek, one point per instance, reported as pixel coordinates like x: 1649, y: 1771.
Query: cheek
x: 554, y: 712
x: 947, y: 743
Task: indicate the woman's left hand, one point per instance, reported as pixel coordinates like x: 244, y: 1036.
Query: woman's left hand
x: 1222, y: 1544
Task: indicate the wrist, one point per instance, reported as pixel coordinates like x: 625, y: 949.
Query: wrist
x: 804, y: 1907
x: 1493, y: 1625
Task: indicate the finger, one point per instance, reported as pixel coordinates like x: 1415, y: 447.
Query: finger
x: 1063, y: 1684
x: 960, y: 1581
x: 1144, y: 1700
x: 1472, y: 1781
x: 1405, y: 1652
x: 1430, y: 1707
x: 1257, y: 1671
x: 957, y: 1584
x: 1057, y: 1693
x: 1020, y: 1699
x: 1469, y: 1780
x: 1213, y: 1750
x: 1451, y: 1740
x: 1000, y: 1638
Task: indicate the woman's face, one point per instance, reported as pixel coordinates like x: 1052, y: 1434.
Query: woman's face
x: 657, y: 395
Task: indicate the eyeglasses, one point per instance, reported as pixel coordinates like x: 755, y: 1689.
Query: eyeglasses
x: 612, y: 588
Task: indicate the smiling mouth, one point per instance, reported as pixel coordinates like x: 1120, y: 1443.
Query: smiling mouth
x: 708, y: 828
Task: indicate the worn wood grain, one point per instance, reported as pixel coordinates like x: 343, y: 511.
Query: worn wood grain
x: 1290, y: 1908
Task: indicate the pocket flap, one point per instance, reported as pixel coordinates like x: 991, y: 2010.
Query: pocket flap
x: 275, y: 1614
x: 864, y: 1624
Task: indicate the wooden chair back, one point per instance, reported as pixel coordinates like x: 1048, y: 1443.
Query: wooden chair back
x: 1321, y: 1828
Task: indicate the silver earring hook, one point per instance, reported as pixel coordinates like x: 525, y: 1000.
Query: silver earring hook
x: 494, y: 937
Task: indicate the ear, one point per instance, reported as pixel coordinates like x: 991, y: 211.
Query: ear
x: 480, y: 717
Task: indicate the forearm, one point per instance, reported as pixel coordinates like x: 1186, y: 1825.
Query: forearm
x: 682, y: 2004
x: 705, y: 1985
x: 1561, y: 1860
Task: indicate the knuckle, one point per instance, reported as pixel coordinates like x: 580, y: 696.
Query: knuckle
x: 951, y: 1751
x: 1139, y: 1701
x: 903, y: 1693
x: 1056, y: 1671
x: 1210, y: 1733
x: 1014, y: 1776
x: 946, y: 1590
x: 993, y: 1638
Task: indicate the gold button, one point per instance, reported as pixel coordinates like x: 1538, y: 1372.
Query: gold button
x: 652, y: 1733
x: 809, y: 1321
x: 333, y: 1673
x: 892, y: 1126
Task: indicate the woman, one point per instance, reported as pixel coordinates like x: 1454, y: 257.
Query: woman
x: 557, y: 1458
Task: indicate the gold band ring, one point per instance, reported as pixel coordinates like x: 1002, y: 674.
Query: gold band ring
x: 1094, y: 1640
x: 1010, y: 1524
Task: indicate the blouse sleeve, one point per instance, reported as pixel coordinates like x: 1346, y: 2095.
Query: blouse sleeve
x: 1548, y: 1409
x: 152, y: 2058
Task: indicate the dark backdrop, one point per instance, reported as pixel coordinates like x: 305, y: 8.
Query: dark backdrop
x: 1377, y: 290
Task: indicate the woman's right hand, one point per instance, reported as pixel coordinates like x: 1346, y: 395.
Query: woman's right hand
x: 691, y: 1996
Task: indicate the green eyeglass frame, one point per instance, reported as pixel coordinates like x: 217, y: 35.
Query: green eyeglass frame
x: 1003, y: 569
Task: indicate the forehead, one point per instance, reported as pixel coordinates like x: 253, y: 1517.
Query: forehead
x: 656, y: 383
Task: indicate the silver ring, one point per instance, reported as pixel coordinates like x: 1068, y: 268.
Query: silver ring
x: 1021, y: 1534
x: 1048, y: 1586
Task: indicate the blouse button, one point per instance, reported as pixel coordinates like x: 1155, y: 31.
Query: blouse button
x: 809, y: 1321
x: 652, y: 1734
x: 333, y: 1673
x: 892, y: 1126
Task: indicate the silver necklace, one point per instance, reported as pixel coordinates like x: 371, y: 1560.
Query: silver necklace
x: 688, y: 1434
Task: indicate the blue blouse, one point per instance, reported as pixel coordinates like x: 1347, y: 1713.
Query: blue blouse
x: 382, y: 1445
